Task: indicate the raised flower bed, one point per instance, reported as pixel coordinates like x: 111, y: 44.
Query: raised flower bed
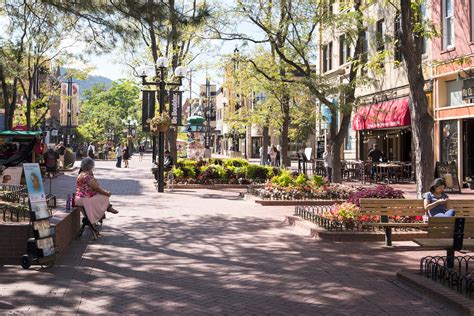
x: 220, y: 172
x: 347, y: 216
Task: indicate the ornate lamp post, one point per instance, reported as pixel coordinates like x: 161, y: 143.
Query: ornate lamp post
x: 161, y: 83
x: 131, y: 125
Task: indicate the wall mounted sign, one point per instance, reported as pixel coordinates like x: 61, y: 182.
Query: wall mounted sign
x: 468, y: 88
x: 449, y: 172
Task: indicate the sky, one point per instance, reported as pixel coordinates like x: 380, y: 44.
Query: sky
x: 112, y: 65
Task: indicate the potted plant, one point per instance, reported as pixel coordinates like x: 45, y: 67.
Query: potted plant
x: 160, y: 123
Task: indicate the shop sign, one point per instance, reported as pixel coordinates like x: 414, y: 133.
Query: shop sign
x: 176, y: 107
x: 468, y: 88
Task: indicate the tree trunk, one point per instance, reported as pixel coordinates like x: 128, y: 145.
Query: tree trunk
x: 5, y: 94
x: 265, y: 144
x: 285, y: 130
x: 422, y: 123
x: 172, y: 136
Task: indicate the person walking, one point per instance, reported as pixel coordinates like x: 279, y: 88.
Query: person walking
x: 328, y: 157
x: 106, y: 149
x: 91, y: 150
x: 125, y: 155
x: 118, y: 155
x: 141, y: 151
x: 260, y: 152
x: 375, y: 155
x: 273, y: 156
x: 61, y: 150
x: 278, y: 157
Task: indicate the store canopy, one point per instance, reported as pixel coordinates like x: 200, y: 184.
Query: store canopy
x: 195, y: 120
x: 388, y: 114
x: 20, y: 133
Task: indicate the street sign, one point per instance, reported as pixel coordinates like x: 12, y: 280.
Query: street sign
x: 176, y: 107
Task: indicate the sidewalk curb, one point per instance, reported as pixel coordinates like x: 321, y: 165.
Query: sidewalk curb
x: 436, y: 291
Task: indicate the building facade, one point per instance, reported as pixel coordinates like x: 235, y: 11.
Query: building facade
x: 453, y: 80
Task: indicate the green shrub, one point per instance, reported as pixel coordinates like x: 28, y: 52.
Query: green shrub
x: 301, y: 179
x: 178, y: 173
x: 318, y: 181
x: 285, y: 179
x: 256, y: 172
x: 236, y: 162
x: 189, y: 171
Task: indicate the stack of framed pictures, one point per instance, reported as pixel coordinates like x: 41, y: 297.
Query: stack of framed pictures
x: 40, y: 249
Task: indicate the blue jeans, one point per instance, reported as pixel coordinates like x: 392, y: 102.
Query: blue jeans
x: 119, y: 162
x: 448, y: 213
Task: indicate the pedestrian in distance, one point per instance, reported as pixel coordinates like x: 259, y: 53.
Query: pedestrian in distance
x: 260, y: 152
x: 106, y: 149
x: 125, y: 155
x: 141, y: 151
x: 328, y: 157
x: 61, y: 150
x: 91, y: 150
x: 273, y: 156
x: 118, y: 155
x: 278, y: 157
x: 375, y: 155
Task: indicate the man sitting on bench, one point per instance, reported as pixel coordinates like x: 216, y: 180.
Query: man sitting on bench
x: 436, y: 201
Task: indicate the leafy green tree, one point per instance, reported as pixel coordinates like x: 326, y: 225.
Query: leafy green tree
x: 103, y: 110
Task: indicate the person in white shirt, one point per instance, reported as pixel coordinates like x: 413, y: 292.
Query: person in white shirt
x: 328, y: 157
x: 91, y: 150
x: 118, y: 154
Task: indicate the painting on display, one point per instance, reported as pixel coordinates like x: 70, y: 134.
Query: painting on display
x: 12, y: 176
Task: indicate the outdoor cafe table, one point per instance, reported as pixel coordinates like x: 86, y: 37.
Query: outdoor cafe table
x: 388, y: 171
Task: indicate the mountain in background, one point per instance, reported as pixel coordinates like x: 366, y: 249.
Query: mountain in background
x: 90, y: 81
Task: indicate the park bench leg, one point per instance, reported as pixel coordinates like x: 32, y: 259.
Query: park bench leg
x: 450, y: 259
x: 388, y: 236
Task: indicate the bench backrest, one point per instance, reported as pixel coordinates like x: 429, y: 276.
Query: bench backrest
x: 392, y: 207
x: 463, y: 208
x: 443, y: 227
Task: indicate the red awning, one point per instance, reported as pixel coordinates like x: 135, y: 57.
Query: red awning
x: 393, y: 113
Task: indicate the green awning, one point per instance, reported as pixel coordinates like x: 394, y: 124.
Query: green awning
x: 195, y: 120
x: 20, y: 133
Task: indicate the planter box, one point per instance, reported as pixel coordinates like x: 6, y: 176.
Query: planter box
x: 297, y: 202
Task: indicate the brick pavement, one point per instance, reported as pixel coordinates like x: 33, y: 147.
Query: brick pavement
x: 209, y: 252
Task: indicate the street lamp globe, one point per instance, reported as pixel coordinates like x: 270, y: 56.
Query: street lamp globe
x: 180, y: 72
x: 162, y: 62
x: 225, y: 101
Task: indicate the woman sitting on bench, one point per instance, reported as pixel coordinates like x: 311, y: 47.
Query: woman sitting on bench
x: 90, y: 195
x: 436, y: 201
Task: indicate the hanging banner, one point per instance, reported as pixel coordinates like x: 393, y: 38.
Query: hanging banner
x: 63, y: 105
x: 176, y: 107
x: 148, y: 108
x: 75, y: 105
x: 69, y: 105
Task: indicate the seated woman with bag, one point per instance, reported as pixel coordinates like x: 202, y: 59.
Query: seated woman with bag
x: 90, y: 195
x: 436, y: 201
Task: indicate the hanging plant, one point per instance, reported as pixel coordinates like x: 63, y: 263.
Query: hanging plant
x: 160, y: 123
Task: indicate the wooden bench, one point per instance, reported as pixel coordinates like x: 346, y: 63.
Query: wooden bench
x: 449, y: 233
x: 406, y: 207
x: 392, y: 207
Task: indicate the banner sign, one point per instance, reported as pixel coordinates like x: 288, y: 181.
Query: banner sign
x: 69, y: 104
x: 468, y: 88
x: 148, y: 108
x: 176, y: 107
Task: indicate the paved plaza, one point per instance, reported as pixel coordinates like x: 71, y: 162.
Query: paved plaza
x: 209, y: 252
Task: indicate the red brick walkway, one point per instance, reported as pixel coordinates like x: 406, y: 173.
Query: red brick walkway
x: 209, y: 252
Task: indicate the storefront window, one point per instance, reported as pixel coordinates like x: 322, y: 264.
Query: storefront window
x: 454, y: 93
x: 449, y: 141
x: 349, y: 137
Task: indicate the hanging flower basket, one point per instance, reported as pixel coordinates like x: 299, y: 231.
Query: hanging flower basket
x: 160, y: 123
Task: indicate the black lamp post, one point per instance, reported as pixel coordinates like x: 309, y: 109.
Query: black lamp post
x: 180, y: 72
x: 131, y: 126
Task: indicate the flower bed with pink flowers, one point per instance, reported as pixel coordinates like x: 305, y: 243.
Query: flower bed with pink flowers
x: 346, y: 216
